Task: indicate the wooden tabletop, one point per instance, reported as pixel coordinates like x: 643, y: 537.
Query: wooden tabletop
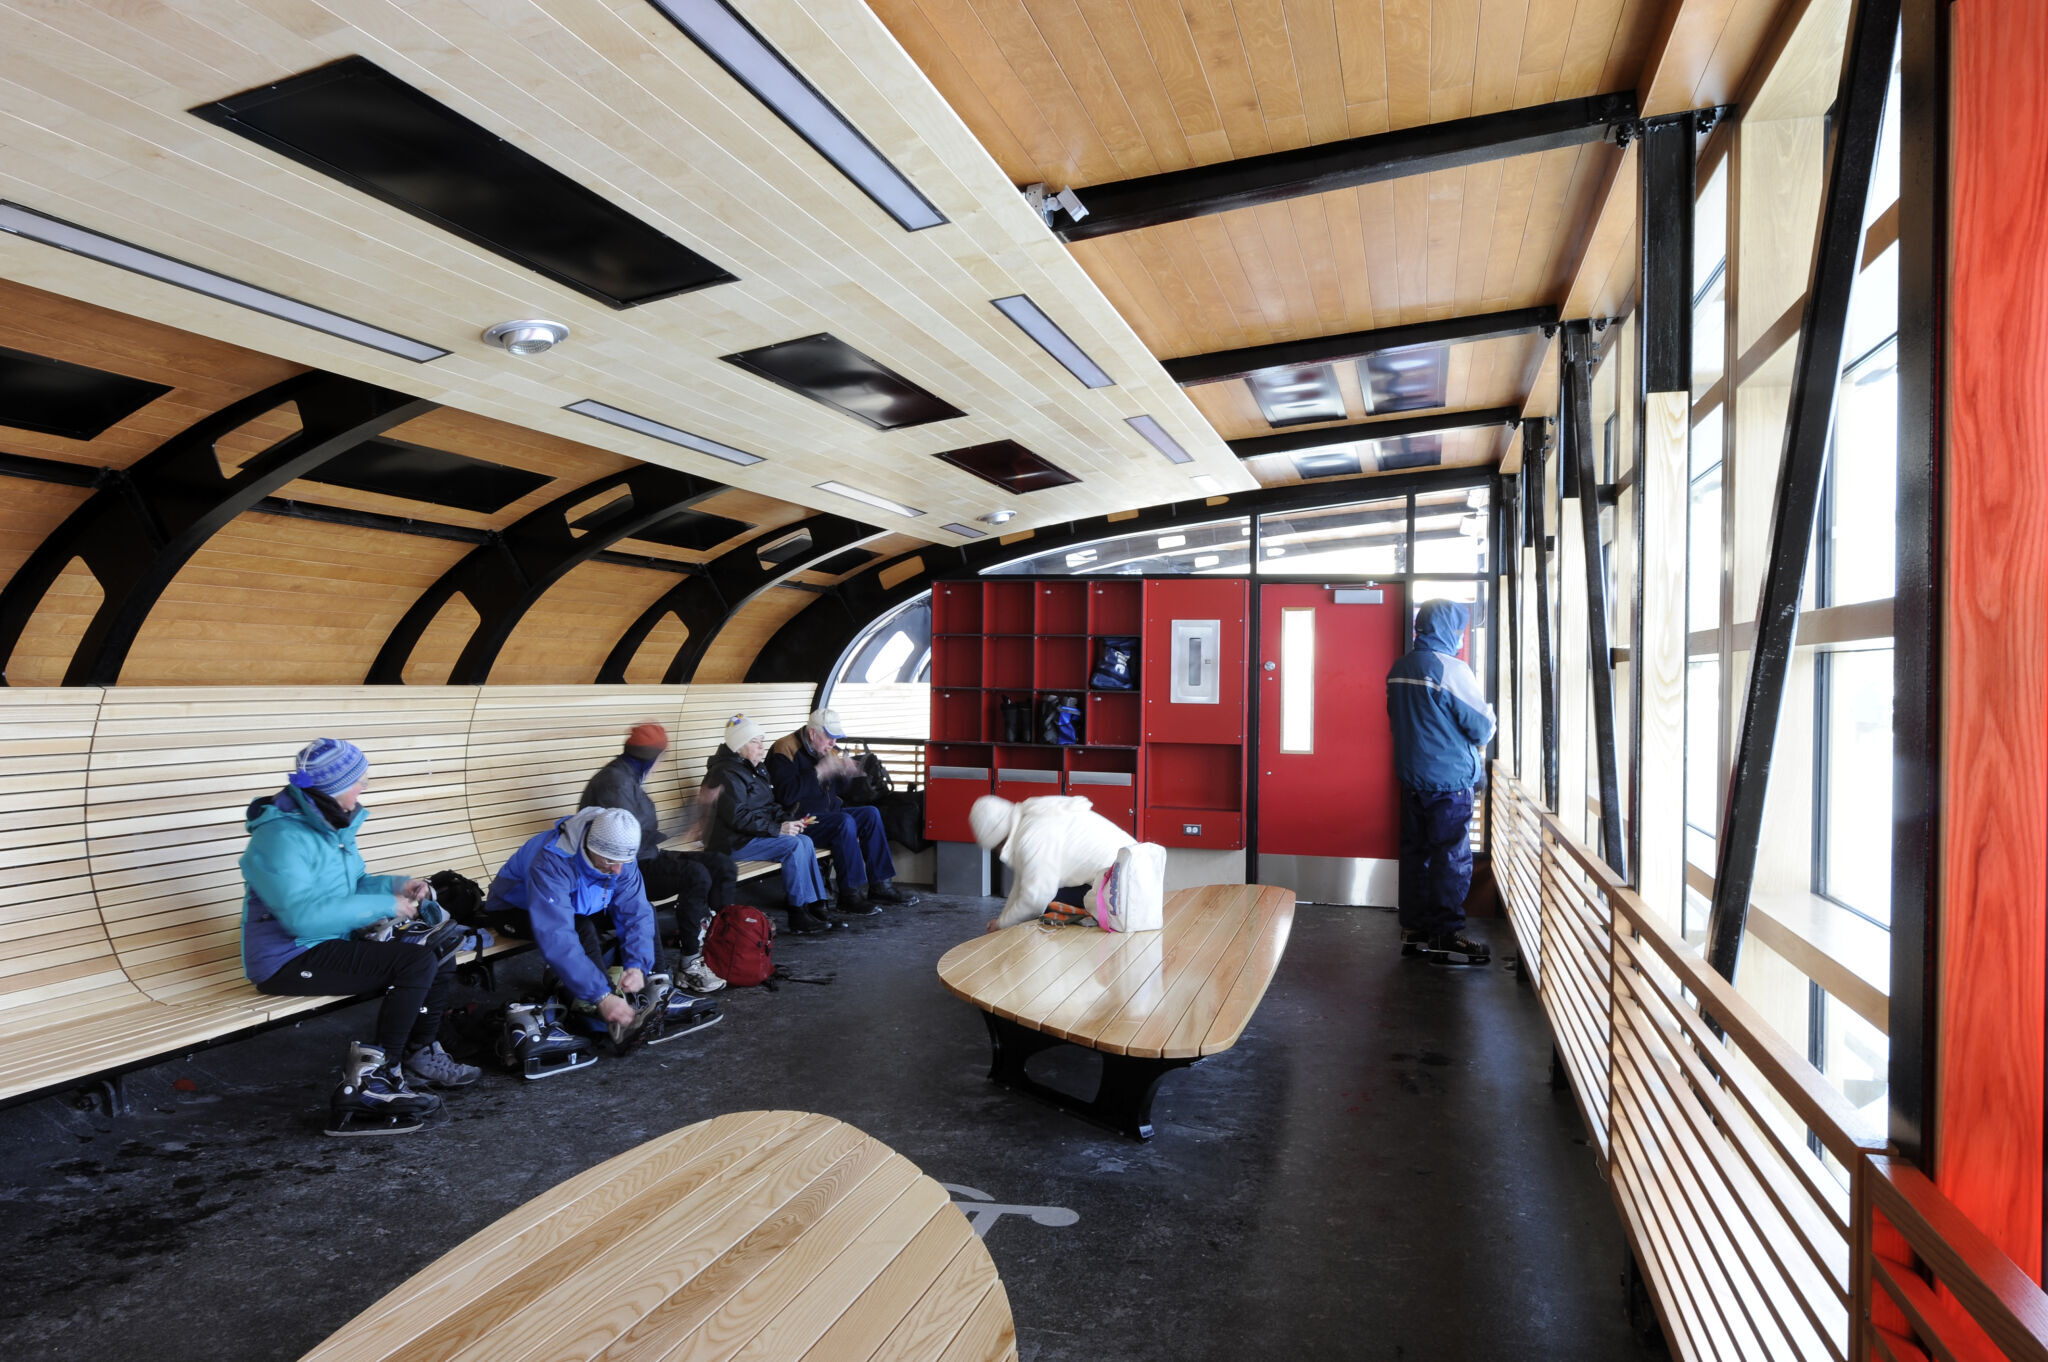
x: 1184, y: 991
x: 760, y: 1235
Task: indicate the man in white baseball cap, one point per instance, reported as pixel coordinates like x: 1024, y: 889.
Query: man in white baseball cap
x: 802, y: 769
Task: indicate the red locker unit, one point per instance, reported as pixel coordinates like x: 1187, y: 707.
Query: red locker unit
x: 1194, y: 696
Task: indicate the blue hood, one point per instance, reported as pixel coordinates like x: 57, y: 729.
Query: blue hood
x: 1440, y: 626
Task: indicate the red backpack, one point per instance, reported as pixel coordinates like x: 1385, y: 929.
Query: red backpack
x: 740, y: 946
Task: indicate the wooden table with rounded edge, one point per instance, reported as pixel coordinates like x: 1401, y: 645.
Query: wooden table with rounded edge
x: 1151, y: 1002
x: 760, y: 1235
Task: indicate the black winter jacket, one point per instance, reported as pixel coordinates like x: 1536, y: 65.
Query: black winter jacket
x: 793, y: 772
x: 617, y: 785
x: 746, y: 803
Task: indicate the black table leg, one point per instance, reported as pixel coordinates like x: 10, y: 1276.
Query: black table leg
x: 1123, y: 1096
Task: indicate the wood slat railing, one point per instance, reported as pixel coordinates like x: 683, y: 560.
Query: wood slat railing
x: 1753, y: 1245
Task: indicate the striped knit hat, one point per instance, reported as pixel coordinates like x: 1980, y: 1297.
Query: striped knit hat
x: 330, y: 765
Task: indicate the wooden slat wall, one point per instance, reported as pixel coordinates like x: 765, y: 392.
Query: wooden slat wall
x: 733, y: 651
x: 571, y: 629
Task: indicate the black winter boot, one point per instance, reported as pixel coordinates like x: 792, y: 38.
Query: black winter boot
x: 854, y: 902
x: 885, y: 891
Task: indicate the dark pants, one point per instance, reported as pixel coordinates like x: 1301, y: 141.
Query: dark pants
x: 414, y: 985
x: 701, y: 882
x: 1436, y: 859
x: 859, y: 846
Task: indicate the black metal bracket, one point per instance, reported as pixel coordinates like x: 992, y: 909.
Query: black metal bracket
x: 705, y: 603
x: 1575, y: 405
x: 503, y: 579
x: 1383, y: 428
x: 1535, y: 439
x: 142, y: 524
x: 1123, y: 1097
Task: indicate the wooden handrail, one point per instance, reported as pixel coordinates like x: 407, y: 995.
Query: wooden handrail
x: 2002, y: 1300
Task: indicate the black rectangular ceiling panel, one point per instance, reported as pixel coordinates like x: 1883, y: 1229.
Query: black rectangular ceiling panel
x: 1405, y: 380
x: 394, y: 468
x: 52, y: 397
x: 828, y: 370
x: 699, y: 530
x: 362, y: 125
x: 1411, y: 451
x: 841, y: 563
x: 1298, y: 396
x: 1328, y: 464
x: 1009, y: 466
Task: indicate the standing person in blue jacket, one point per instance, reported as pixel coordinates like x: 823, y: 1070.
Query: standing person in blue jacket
x: 563, y: 879
x: 306, y: 892
x: 1442, y: 725
x: 802, y: 769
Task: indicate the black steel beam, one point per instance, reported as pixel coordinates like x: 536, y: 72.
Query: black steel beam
x: 1535, y: 439
x: 1218, y: 365
x: 32, y: 469
x: 144, y: 522
x: 1667, y: 171
x: 502, y: 579
x: 1511, y: 564
x: 1383, y: 428
x: 706, y: 602
x: 805, y: 648
x: 1816, y: 374
x: 1151, y: 200
x: 1575, y: 406
x: 370, y: 520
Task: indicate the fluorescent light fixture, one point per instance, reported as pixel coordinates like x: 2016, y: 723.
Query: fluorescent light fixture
x: 840, y: 489
x: 1208, y: 560
x: 628, y: 421
x: 1041, y: 328
x: 1172, y: 541
x: 1276, y: 553
x: 68, y: 236
x: 965, y: 531
x: 1204, y: 483
x: 1161, y: 441
x: 1081, y: 558
x: 732, y: 42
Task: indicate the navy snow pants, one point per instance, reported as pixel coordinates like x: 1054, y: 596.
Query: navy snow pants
x: 1436, y: 859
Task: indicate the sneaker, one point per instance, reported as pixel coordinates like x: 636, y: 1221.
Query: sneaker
x: 885, y: 891
x: 1455, y: 948
x: 432, y: 1065
x: 698, y: 978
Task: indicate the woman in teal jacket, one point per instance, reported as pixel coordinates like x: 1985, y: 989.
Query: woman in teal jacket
x: 307, y: 892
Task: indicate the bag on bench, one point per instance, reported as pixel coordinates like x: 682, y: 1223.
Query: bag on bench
x: 464, y: 899
x: 739, y: 946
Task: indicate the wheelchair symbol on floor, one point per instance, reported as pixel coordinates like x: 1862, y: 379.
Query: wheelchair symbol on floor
x: 983, y: 1211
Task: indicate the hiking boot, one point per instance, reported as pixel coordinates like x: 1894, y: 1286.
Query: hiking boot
x: 855, y: 903
x: 432, y: 1065
x: 698, y: 978
x: 1455, y: 948
x: 885, y: 891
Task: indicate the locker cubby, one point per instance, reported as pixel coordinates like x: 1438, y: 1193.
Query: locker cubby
x: 1062, y: 608
x: 1194, y: 776
x: 1027, y: 772
x: 992, y: 710
x: 1007, y: 662
x: 956, y: 608
x: 1113, y: 718
x: 956, y: 662
x: 1063, y: 664
x: 956, y: 715
x: 1006, y: 608
x: 1092, y: 760
x: 955, y: 776
x: 1116, y: 607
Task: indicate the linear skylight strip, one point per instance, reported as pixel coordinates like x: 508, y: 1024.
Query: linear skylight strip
x: 964, y: 531
x: 1161, y: 441
x: 880, y: 502
x: 626, y: 420
x: 732, y: 42
x: 1057, y: 343
x: 69, y: 236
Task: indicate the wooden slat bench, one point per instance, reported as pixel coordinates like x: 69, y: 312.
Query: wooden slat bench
x: 1151, y: 1002
x: 769, y: 1235
x: 121, y: 825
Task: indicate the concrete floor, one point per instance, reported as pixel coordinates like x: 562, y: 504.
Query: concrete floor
x: 1379, y: 1169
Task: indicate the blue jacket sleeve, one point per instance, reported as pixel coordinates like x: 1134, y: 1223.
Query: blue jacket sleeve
x: 633, y: 916
x: 282, y: 865
x: 551, y: 904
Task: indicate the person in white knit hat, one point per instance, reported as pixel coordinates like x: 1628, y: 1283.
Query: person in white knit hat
x: 748, y: 825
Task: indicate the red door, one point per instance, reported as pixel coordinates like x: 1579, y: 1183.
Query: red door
x: 1326, y: 752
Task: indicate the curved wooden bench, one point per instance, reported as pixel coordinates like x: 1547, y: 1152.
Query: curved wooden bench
x: 1151, y: 1002
x: 764, y: 1234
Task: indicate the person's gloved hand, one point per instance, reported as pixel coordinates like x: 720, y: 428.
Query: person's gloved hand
x: 614, y: 1009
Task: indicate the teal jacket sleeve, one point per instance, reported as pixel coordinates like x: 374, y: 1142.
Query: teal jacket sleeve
x: 283, y: 863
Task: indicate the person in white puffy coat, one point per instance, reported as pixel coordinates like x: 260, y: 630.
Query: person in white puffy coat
x: 1049, y: 843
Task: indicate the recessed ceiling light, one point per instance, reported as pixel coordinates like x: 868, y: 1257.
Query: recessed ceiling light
x: 1161, y: 441
x: 68, y: 236
x: 1080, y: 557
x: 732, y: 42
x: 628, y: 421
x: 526, y: 338
x: 1001, y: 517
x: 840, y: 489
x: 966, y: 531
x: 1041, y: 328
x: 1172, y: 541
x: 1205, y: 483
x: 1208, y: 560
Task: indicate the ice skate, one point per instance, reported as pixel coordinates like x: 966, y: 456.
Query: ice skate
x: 1455, y: 948
x: 536, y: 1043
x: 1414, y: 942
x: 373, y: 1098
x: 645, y: 1023
x: 680, y: 1013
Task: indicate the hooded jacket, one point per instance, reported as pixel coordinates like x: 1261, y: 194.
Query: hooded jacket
x: 621, y: 784
x: 554, y: 883
x: 793, y: 774
x: 305, y: 882
x: 746, y: 802
x: 1049, y: 843
x: 1441, y: 720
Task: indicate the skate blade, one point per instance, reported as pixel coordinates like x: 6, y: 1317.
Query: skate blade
x: 387, y: 1126
x: 688, y: 1027
x: 1452, y: 960
x: 537, y: 1069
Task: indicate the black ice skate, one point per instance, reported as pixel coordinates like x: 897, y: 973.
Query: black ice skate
x: 680, y: 1013
x: 1455, y: 948
x: 373, y: 1098
x: 644, y: 1024
x: 536, y: 1044
x: 1414, y: 942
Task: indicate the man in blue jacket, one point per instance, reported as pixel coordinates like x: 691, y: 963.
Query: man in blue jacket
x: 562, y: 879
x: 1442, y: 725
x: 802, y: 769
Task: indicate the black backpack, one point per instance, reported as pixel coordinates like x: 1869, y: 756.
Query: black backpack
x: 464, y: 900
x: 871, y: 785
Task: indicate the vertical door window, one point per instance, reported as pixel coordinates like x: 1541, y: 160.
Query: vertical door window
x: 1298, y: 680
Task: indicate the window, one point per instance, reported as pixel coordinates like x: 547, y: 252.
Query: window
x: 1298, y: 680
x: 1221, y: 548
x: 1366, y: 539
